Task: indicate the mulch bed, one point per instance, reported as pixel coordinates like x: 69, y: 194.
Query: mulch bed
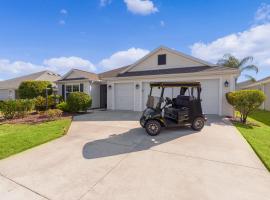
x: 32, y: 118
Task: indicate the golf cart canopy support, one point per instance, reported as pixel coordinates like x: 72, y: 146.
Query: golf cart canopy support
x: 175, y: 84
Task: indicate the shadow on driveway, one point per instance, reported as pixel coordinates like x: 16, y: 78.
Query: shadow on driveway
x: 133, y: 140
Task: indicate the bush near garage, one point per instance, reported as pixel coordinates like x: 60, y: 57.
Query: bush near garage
x: 78, y: 101
x: 245, y: 101
x: 16, y: 108
x: 33, y: 89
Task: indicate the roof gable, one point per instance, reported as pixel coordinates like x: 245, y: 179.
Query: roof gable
x: 80, y: 74
x: 175, y: 59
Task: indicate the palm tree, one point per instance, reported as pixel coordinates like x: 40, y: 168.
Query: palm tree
x: 229, y: 60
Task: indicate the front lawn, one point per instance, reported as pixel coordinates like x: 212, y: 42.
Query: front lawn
x: 258, y: 136
x: 15, y: 138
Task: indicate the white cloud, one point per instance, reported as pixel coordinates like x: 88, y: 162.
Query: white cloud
x: 263, y: 14
x: 122, y: 58
x: 63, y: 12
x: 252, y: 42
x: 62, y: 22
x: 141, y: 7
x: 105, y: 2
x: 63, y: 64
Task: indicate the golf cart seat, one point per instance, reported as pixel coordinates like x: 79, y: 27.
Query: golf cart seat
x: 181, y: 101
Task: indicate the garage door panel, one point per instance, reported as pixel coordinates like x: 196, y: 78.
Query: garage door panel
x: 124, y: 96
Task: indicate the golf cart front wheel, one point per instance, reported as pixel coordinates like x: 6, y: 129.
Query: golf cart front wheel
x: 197, y: 124
x: 153, y: 127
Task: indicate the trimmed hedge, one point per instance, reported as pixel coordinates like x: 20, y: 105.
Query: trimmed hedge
x: 245, y: 101
x: 33, y: 89
x: 78, y: 101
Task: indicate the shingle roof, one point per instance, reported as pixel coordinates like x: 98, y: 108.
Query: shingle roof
x: 15, y: 82
x: 112, y: 73
x: 77, y: 74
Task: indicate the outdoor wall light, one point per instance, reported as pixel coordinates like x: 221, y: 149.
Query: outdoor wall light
x: 226, y: 83
x: 137, y: 86
x: 110, y: 87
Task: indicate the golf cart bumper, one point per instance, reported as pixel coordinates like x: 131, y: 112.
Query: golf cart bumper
x: 142, y: 121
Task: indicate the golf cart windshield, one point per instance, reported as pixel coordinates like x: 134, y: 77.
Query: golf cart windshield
x: 152, y: 102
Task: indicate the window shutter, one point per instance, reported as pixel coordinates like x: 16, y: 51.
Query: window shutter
x: 81, y: 87
x: 63, y: 92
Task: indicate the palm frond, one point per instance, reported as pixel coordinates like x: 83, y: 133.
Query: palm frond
x: 245, y: 60
x: 249, y: 77
x: 250, y: 68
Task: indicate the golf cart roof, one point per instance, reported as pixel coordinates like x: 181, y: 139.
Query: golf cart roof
x: 175, y: 84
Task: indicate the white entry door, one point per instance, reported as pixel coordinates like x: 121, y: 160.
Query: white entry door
x: 124, y: 96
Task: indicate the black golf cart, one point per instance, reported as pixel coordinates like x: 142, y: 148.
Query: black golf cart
x: 183, y: 110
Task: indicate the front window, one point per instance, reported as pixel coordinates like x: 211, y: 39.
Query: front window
x: 72, y: 88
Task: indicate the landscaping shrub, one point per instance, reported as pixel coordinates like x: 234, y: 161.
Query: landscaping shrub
x: 8, y: 109
x: 78, y: 101
x: 63, y: 106
x: 33, y: 89
x: 40, y: 103
x: 16, y: 108
x: 245, y: 101
x: 23, y: 107
x: 53, y: 114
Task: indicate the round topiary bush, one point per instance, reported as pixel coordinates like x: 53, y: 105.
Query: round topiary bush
x: 78, y: 101
x: 33, y: 89
x: 245, y: 101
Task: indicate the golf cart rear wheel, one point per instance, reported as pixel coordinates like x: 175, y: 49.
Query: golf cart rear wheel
x: 197, y: 124
x: 152, y: 127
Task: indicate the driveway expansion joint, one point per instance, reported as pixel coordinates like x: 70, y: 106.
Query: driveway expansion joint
x: 25, y: 187
x: 209, y: 160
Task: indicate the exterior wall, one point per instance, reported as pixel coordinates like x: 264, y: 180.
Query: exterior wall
x: 224, y: 107
x: 6, y: 94
x: 267, y: 93
x: 173, y: 61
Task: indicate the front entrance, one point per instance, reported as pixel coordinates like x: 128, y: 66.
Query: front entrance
x: 103, y: 96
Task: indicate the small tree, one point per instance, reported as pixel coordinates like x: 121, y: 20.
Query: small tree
x: 245, y: 101
x: 33, y: 89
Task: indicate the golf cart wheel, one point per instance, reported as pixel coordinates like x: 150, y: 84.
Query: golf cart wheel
x: 197, y: 124
x: 152, y: 127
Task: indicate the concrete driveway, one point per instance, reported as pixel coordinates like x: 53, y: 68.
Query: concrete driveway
x: 106, y: 155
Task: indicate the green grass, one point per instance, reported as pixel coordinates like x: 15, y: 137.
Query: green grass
x: 15, y: 138
x: 258, y: 136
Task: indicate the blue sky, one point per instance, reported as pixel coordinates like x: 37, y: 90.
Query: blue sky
x: 98, y: 35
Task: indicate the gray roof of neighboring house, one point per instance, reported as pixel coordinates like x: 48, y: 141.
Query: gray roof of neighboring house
x: 77, y: 74
x: 112, y: 73
x: 42, y: 76
x: 262, y: 81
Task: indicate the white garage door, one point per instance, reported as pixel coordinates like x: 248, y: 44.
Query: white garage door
x: 209, y: 95
x: 124, y: 96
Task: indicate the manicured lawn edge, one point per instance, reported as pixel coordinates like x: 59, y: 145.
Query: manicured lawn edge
x: 14, y: 138
x: 257, y: 135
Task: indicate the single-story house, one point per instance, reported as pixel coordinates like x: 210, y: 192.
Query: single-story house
x: 127, y: 88
x: 263, y: 85
x: 9, y: 87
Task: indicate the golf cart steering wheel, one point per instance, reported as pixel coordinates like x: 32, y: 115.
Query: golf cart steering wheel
x: 168, y: 101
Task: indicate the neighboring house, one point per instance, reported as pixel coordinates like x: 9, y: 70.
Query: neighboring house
x: 241, y: 85
x: 9, y: 87
x: 263, y: 85
x: 127, y: 88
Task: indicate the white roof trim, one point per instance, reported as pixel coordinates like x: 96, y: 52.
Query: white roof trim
x: 170, y: 50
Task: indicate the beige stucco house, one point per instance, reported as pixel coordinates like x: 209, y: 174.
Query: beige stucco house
x: 8, y: 87
x: 127, y: 88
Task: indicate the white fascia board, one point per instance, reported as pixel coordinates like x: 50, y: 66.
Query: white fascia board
x: 183, y: 75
